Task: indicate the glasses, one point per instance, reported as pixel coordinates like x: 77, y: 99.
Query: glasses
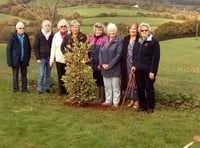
x: 144, y: 30
x: 63, y: 26
x: 20, y: 28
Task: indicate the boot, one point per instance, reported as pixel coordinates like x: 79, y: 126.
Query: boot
x: 98, y: 98
x: 102, y: 94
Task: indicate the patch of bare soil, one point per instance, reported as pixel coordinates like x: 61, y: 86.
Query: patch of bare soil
x: 96, y: 106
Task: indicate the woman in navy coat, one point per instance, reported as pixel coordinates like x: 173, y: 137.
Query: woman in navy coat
x: 18, y: 56
x: 146, y: 57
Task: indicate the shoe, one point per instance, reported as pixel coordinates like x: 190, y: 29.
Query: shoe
x: 116, y: 105
x: 130, y: 104
x: 25, y: 91
x: 47, y: 90
x: 135, y: 107
x: 140, y: 109
x: 105, y: 104
x: 16, y: 90
x: 149, y: 110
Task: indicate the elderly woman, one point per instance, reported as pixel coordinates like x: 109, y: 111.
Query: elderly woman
x: 57, y: 55
x: 146, y: 57
x: 18, y: 56
x: 95, y: 41
x: 126, y: 63
x: 109, y: 63
x: 75, y: 34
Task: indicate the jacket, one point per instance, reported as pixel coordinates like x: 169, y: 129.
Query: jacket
x: 67, y: 43
x: 124, y: 71
x: 110, y: 54
x: 42, y: 46
x: 146, y: 54
x: 95, y: 42
x: 14, y: 51
x: 56, y: 54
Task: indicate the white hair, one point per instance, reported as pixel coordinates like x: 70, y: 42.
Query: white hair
x: 19, y: 24
x: 142, y: 25
x: 112, y: 27
x: 46, y: 22
x: 63, y: 22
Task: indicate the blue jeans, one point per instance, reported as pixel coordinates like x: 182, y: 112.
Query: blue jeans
x: 112, y: 90
x: 44, y: 76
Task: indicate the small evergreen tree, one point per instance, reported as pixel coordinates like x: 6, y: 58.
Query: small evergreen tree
x: 78, y: 78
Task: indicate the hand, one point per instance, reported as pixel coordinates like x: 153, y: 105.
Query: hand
x: 39, y: 61
x: 99, y: 67
x: 51, y: 64
x: 105, y: 66
x: 151, y: 76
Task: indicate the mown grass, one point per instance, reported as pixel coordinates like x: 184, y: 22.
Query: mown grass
x: 42, y: 121
x: 6, y: 17
x: 179, y: 66
x: 91, y: 11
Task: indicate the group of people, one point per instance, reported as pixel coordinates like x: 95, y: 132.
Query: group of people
x: 114, y: 61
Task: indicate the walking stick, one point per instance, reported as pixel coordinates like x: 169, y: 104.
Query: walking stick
x: 127, y: 90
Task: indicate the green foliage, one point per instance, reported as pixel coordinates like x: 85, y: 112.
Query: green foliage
x: 171, y: 30
x: 176, y: 99
x: 78, y: 78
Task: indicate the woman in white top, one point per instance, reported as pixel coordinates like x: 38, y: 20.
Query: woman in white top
x: 57, y: 55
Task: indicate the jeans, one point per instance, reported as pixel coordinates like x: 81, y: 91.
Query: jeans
x: 44, y: 76
x: 112, y: 90
x: 15, y: 71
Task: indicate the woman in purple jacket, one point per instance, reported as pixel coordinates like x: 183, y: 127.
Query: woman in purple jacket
x: 95, y: 42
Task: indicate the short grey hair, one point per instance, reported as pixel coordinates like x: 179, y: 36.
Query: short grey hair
x: 63, y: 22
x: 142, y: 25
x: 111, y: 26
x: 19, y: 24
x: 46, y: 22
x: 98, y: 25
x: 74, y: 23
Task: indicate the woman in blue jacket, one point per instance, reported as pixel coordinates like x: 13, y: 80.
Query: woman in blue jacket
x: 109, y: 63
x: 18, y: 56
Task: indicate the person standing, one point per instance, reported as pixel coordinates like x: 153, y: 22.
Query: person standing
x: 57, y: 55
x: 109, y: 63
x: 146, y: 57
x: 43, y: 40
x: 95, y: 42
x: 18, y: 56
x: 75, y: 34
x: 126, y: 63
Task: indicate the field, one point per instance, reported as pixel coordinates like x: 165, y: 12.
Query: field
x: 90, y: 15
x: 42, y: 121
x: 30, y: 120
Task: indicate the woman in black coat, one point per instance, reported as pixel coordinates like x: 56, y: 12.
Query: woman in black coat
x: 18, y: 56
x: 126, y: 63
x: 145, y: 64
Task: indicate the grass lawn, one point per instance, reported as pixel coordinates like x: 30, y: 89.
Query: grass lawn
x: 6, y: 17
x: 94, y: 11
x: 42, y: 121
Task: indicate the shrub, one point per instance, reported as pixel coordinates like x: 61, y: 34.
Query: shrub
x: 176, y: 99
x: 78, y: 78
